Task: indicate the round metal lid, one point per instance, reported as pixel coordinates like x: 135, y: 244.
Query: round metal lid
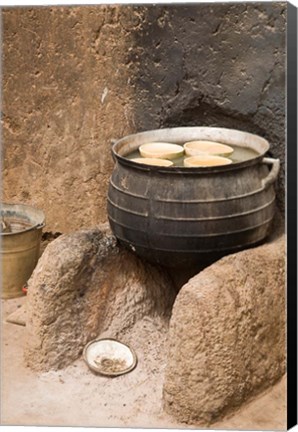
x: 109, y: 357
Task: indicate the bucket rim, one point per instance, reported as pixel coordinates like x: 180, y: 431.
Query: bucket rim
x: 35, y: 226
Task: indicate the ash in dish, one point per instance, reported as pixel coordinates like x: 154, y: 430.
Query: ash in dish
x: 191, y: 154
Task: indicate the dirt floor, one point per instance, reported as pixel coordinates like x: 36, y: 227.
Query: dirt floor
x: 76, y: 396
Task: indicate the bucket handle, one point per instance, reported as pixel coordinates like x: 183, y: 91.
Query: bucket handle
x: 273, y: 173
x: 40, y: 225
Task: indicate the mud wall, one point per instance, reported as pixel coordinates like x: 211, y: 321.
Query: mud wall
x: 66, y: 94
x: 76, y: 77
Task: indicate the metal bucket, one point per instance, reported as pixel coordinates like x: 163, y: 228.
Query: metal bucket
x: 20, y: 244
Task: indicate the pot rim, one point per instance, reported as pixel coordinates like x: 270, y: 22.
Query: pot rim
x: 192, y: 130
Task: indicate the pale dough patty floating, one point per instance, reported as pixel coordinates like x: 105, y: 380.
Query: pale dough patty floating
x: 161, y: 150
x: 194, y: 148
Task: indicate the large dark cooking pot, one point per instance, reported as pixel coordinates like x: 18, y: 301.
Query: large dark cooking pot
x: 178, y: 215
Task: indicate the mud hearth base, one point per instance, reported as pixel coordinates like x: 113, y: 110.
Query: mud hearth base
x: 226, y: 340
x: 84, y: 286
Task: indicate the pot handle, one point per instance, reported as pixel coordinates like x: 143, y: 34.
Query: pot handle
x: 113, y: 141
x: 273, y: 173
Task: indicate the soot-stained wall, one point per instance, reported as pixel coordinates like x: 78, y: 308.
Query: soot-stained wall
x: 76, y: 77
x: 214, y: 65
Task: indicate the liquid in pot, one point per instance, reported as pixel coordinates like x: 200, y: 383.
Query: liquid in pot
x: 240, y: 154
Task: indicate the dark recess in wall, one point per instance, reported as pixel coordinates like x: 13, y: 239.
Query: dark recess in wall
x: 215, y: 65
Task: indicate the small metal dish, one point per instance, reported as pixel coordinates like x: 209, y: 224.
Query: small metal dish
x: 109, y: 357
